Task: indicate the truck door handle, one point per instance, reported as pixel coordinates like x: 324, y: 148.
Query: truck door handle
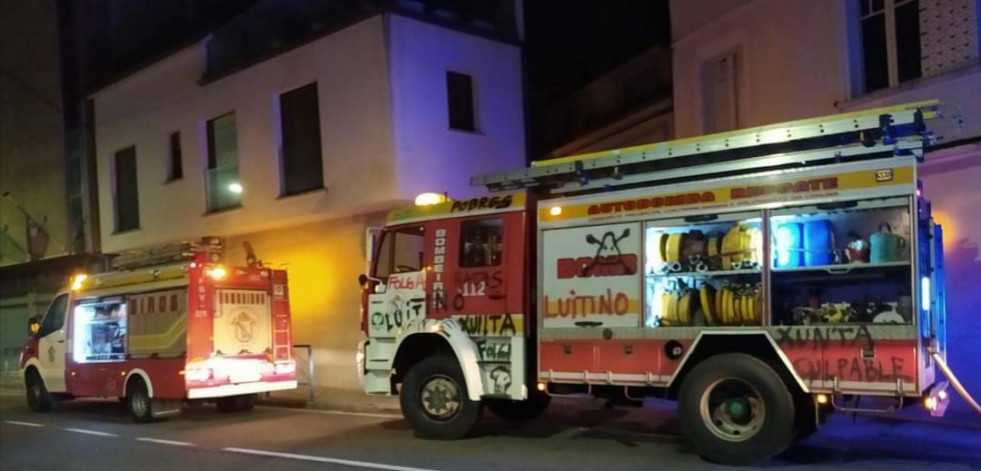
x: 61, y: 341
x: 588, y: 324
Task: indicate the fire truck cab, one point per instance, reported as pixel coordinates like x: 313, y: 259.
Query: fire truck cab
x: 167, y: 325
x: 761, y: 278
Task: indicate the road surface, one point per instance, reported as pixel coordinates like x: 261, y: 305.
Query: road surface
x: 573, y: 435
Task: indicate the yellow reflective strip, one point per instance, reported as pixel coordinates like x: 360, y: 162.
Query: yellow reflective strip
x: 720, y: 195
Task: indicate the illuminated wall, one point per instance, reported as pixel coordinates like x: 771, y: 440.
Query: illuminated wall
x: 323, y: 260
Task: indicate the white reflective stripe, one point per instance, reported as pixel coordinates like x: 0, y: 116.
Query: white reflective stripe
x: 163, y: 442
x: 321, y: 459
x: 91, y: 432
x: 26, y: 424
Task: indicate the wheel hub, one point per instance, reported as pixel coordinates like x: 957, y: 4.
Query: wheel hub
x: 732, y: 409
x: 440, y: 398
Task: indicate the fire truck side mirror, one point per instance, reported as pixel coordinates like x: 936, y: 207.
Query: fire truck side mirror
x: 33, y: 325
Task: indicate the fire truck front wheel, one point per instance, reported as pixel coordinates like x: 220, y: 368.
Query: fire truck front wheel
x: 736, y: 410
x: 38, y: 399
x: 434, y: 399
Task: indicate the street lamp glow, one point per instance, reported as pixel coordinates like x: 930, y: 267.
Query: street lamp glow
x: 235, y: 187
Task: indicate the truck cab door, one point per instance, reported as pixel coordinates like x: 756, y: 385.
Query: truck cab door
x: 52, y: 345
x: 475, y: 274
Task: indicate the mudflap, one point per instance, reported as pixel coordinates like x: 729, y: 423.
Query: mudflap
x: 163, y: 408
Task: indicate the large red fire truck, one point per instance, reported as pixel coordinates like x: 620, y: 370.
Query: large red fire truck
x: 762, y: 278
x: 169, y: 324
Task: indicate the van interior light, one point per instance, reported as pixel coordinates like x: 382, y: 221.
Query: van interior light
x: 235, y: 187
x: 216, y: 273
x: 555, y: 211
x: 427, y: 199
x: 79, y: 281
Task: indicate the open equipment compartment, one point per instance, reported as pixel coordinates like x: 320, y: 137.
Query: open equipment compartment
x: 844, y: 263
x: 704, y: 270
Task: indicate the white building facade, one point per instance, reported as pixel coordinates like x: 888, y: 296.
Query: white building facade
x: 299, y: 153
x: 744, y: 63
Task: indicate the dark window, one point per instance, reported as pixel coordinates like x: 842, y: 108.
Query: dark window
x: 874, y: 54
x: 480, y: 243
x: 908, y: 41
x: 303, y: 168
x: 890, y: 42
x: 127, y: 195
x: 175, y: 168
x: 54, y: 319
x: 224, y: 188
x: 459, y: 95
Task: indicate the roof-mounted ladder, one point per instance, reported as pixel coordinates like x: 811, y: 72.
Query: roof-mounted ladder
x: 168, y: 253
x: 888, y: 131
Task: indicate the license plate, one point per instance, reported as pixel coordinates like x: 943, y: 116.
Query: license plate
x: 245, y: 377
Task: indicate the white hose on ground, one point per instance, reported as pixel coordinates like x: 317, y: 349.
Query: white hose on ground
x: 957, y: 384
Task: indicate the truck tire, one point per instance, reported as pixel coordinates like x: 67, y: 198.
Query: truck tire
x: 38, y: 399
x: 434, y: 399
x: 519, y: 411
x: 140, y: 404
x: 735, y: 410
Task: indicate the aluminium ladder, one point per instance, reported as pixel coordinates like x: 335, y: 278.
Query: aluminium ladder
x: 879, y: 132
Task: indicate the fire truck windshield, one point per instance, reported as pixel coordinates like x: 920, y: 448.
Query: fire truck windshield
x: 400, y: 251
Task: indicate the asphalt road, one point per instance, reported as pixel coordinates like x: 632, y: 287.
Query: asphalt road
x: 573, y: 435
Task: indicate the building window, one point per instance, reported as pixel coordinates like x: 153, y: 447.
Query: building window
x: 480, y: 243
x: 224, y: 188
x: 890, y: 31
x: 302, y: 168
x: 459, y: 97
x: 175, y: 164
x: 127, y: 194
x: 721, y: 78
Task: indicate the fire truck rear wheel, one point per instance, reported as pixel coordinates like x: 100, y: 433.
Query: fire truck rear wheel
x: 519, y: 411
x: 38, y: 399
x: 434, y: 399
x: 736, y: 410
x: 140, y: 404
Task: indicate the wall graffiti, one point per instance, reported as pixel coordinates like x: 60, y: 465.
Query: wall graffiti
x: 829, y: 352
x: 852, y: 369
x: 493, y: 350
x: 591, y: 275
x: 478, y: 283
x: 401, y: 310
x: 823, y: 336
x: 501, y: 379
x: 490, y: 325
x: 575, y: 305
